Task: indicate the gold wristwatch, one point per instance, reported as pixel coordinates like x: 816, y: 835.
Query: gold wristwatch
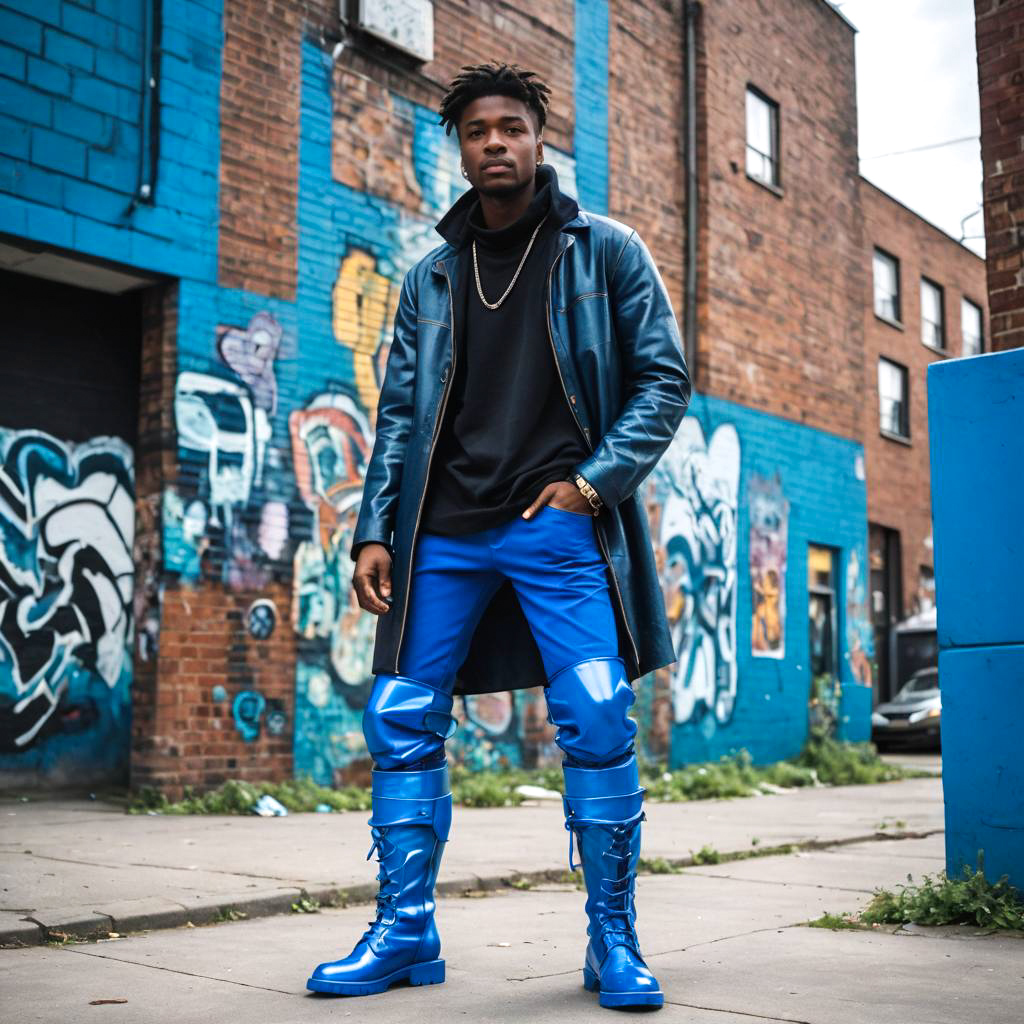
x: 588, y: 492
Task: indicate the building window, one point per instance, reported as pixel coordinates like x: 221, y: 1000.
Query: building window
x: 971, y: 329
x: 762, y: 138
x: 887, y: 286
x: 893, y: 407
x: 933, y: 327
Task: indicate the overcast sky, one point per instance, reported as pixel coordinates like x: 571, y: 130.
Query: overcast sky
x: 917, y: 85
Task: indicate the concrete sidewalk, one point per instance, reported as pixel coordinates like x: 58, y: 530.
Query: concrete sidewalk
x: 85, y: 869
x: 728, y: 943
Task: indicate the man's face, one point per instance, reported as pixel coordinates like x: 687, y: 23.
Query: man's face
x: 499, y: 145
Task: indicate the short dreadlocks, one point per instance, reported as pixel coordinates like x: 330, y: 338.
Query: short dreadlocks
x: 493, y: 79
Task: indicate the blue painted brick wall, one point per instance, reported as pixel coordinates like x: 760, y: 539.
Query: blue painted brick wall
x: 70, y: 115
x: 822, y: 478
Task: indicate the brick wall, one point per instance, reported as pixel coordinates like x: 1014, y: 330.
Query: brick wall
x: 212, y: 696
x: 645, y: 126
x: 155, y: 464
x: 1000, y: 39
x: 899, y: 491
x: 259, y: 160
x: 781, y: 308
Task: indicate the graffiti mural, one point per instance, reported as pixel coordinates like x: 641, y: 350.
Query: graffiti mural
x: 331, y: 445
x: 364, y: 302
x: 489, y: 735
x: 261, y: 619
x: 251, y: 353
x: 146, y: 558
x: 769, y: 525
x: 860, y: 644
x: 328, y: 728
x: 217, y: 429
x: 230, y: 505
x: 692, y: 498
x: 247, y: 709
x: 67, y: 520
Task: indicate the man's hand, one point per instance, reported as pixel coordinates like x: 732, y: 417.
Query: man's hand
x: 561, y: 494
x: 372, y: 578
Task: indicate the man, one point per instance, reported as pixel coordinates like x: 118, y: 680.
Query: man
x: 535, y: 378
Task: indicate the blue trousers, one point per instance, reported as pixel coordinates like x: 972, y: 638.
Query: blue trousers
x: 554, y: 564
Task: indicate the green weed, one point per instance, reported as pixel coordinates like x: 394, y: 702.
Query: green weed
x: 822, y: 761
x: 834, y: 921
x: 237, y: 797
x: 228, y: 914
x: 943, y: 900
x: 707, y: 855
x: 657, y: 866
x: 848, y: 764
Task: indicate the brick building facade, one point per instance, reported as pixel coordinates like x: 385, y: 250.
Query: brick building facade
x: 900, y: 343
x: 999, y: 28
x: 259, y: 203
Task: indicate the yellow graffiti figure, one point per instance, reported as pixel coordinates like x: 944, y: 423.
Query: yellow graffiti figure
x: 766, y: 627
x: 364, y: 303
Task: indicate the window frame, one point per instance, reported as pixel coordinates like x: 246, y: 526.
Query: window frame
x: 898, y: 298
x: 902, y: 435
x: 965, y: 301
x: 943, y: 331
x: 773, y: 158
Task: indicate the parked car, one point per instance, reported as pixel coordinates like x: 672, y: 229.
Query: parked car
x: 915, y: 645
x: 913, y: 716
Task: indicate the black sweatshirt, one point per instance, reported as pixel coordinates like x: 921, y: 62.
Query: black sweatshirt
x: 508, y: 430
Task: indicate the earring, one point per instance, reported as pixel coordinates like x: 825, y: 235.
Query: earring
x: 462, y: 167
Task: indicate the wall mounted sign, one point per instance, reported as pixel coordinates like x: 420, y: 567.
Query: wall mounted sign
x: 408, y: 25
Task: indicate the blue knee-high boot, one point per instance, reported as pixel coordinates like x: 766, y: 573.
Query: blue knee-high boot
x: 604, y: 809
x: 412, y: 813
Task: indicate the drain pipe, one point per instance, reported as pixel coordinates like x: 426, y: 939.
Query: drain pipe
x: 691, y: 14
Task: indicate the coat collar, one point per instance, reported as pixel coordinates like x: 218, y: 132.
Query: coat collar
x: 451, y: 226
x: 447, y: 256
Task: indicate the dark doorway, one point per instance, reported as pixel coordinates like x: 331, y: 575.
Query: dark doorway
x: 69, y: 395
x: 886, y: 603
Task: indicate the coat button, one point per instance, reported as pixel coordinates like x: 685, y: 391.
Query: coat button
x: 444, y: 374
x: 572, y: 398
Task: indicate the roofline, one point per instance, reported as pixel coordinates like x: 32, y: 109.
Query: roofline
x: 923, y: 220
x: 839, y: 14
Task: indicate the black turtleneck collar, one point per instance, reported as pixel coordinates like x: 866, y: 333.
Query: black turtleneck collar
x: 464, y: 220
x: 511, y: 235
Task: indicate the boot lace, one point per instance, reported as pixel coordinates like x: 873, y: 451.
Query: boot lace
x: 619, y: 913
x: 387, y: 895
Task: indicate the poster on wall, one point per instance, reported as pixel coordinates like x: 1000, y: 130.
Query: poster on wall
x: 769, y: 529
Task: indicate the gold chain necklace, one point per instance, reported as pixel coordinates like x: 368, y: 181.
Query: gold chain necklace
x: 515, y: 276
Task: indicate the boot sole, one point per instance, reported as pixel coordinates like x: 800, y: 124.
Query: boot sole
x: 429, y: 973
x: 592, y: 983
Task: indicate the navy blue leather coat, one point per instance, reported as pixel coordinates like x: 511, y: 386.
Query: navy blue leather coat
x: 615, y: 340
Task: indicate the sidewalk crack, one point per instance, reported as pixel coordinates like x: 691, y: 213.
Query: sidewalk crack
x: 175, y: 970
x: 295, y: 883
x: 666, y: 952
x: 773, y: 881
x: 738, y: 1013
